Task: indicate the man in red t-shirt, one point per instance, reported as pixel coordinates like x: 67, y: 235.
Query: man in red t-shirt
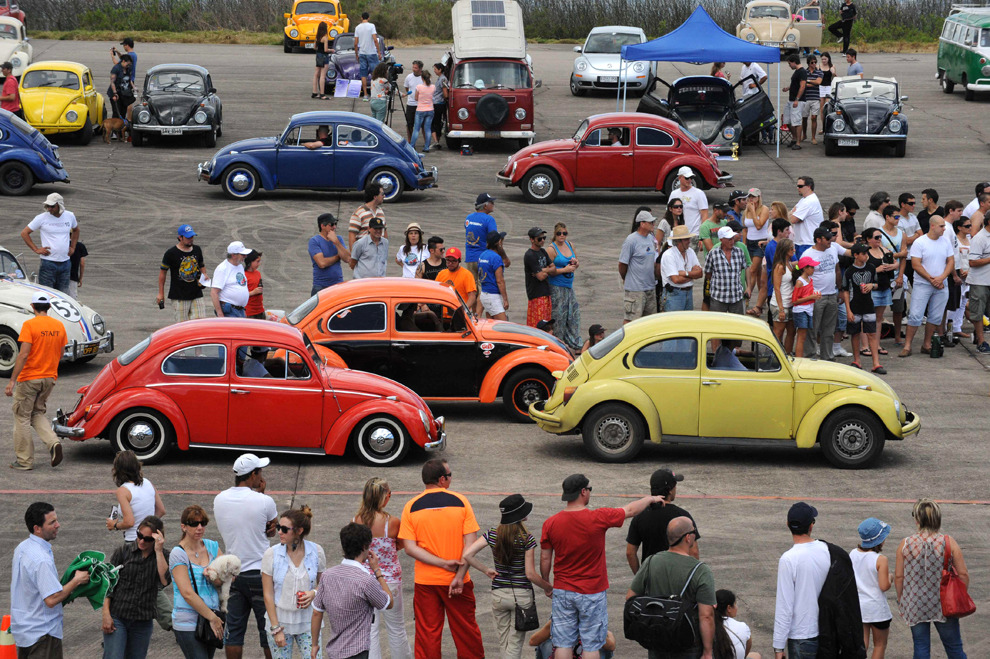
x: 573, y: 542
x: 10, y: 100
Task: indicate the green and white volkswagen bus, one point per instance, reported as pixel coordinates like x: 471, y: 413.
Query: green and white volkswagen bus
x: 964, y: 50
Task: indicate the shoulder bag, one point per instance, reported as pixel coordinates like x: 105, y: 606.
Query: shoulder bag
x: 527, y: 617
x: 661, y: 623
x: 204, y: 631
x: 956, y: 602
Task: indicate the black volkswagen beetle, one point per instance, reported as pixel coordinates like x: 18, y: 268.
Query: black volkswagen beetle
x: 707, y: 106
x: 344, y: 63
x: 178, y: 99
x: 865, y: 111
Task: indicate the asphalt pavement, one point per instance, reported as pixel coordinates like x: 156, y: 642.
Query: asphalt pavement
x: 130, y: 201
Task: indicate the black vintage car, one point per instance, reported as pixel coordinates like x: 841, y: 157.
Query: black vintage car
x: 344, y: 63
x: 865, y: 111
x: 178, y: 99
x: 707, y: 106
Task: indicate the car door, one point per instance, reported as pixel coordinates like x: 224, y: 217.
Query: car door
x: 354, y: 147
x: 810, y: 26
x: 300, y: 167
x: 666, y: 370
x: 755, y: 112
x: 280, y: 404
x: 653, y: 148
x: 433, y: 358
x: 750, y: 396
x: 197, y: 378
x: 602, y: 165
x: 359, y: 335
x: 90, y: 97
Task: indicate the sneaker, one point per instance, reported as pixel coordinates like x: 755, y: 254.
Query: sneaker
x: 56, y: 454
x: 984, y: 347
x: 839, y: 351
x: 19, y: 467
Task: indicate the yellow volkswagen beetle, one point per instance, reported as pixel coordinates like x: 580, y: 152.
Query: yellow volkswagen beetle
x: 305, y: 18
x: 714, y: 380
x: 60, y: 97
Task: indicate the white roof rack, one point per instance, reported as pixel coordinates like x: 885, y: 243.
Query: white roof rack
x: 970, y: 8
x: 488, y: 28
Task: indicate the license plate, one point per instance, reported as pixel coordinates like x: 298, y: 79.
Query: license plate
x: 90, y: 350
x: 310, y: 45
x: 492, y: 135
x: 847, y: 142
x: 608, y: 78
x: 172, y: 130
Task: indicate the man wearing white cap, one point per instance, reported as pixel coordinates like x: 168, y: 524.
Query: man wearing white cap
x: 723, y: 266
x: 638, y: 269
x: 694, y: 200
x: 246, y: 519
x: 228, y: 289
x: 59, y: 234
x: 42, y: 340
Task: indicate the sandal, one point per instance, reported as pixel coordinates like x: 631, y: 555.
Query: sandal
x: 315, y: 96
x: 905, y: 353
x: 856, y: 365
x: 324, y: 97
x: 879, y: 370
x: 755, y: 311
x: 865, y: 352
x: 882, y: 351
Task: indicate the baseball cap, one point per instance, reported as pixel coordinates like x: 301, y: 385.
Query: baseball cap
x: 535, y: 232
x: 721, y: 205
x: 494, y: 237
x: 737, y: 194
x: 483, y: 198
x: 127, y: 41
x: 725, y: 232
x: 686, y: 172
x: 237, y: 247
x: 754, y: 192
x: 806, y: 261
x: 860, y: 248
x: 645, y: 216
x: 573, y: 485
x: 40, y: 298
x: 663, y: 481
x: 376, y: 223
x: 453, y: 252
x: 249, y: 462
x: 595, y: 329
x: 545, y: 325
x: 186, y: 231
x: 801, y: 516
x: 735, y: 226
x: 872, y: 532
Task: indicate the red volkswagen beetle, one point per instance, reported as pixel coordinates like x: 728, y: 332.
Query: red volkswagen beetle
x: 246, y: 385
x: 615, y: 151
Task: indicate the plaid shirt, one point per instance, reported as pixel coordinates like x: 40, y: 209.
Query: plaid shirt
x: 725, y: 285
x: 348, y: 595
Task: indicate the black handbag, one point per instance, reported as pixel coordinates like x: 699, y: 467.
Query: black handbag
x: 661, y: 623
x: 204, y: 631
x: 527, y: 618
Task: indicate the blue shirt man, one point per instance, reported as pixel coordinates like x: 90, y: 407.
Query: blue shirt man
x: 325, y: 250
x: 488, y: 264
x: 477, y: 226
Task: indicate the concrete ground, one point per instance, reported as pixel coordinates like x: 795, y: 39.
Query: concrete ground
x: 129, y: 203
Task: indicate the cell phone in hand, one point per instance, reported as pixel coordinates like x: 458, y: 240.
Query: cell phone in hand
x: 115, y: 512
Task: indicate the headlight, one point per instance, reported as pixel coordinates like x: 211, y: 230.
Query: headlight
x: 144, y: 117
x: 791, y: 38
x: 98, y: 323
x: 520, y: 114
x: 462, y: 114
x: 16, y: 61
x: 894, y: 125
x: 729, y: 132
x: 750, y: 37
x: 426, y: 421
x: 331, y: 73
x: 639, y: 67
x: 71, y: 116
x: 294, y: 33
x: 839, y: 125
x: 200, y: 117
x: 333, y: 34
x: 581, y: 65
x: 985, y: 70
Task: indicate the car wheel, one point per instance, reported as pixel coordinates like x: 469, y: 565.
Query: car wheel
x: 831, y: 148
x: 900, y: 148
x: 16, y: 178
x: 521, y: 389
x: 575, y: 88
x: 145, y: 431
x: 968, y: 94
x: 381, y: 441
x: 240, y: 181
x: 85, y: 133
x: 9, y: 349
x: 540, y: 185
x: 220, y: 126
x: 852, y: 438
x: 137, y: 139
x: 286, y: 45
x: 670, y: 183
x: 390, y: 180
x: 453, y: 144
x: 210, y: 139
x: 947, y: 85
x: 613, y: 433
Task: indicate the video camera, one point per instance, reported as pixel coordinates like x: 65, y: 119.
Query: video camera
x: 394, y: 71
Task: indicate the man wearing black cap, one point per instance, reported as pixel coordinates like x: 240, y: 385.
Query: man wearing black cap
x: 737, y: 204
x: 128, y: 44
x: 801, y: 574
x: 537, y: 267
x: 477, y: 226
x: 327, y: 250
x: 649, y: 528
x: 573, y: 543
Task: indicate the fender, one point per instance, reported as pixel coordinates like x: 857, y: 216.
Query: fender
x: 594, y: 393
x: 267, y: 180
x: 691, y: 161
x: 544, y: 359
x: 143, y: 397
x: 881, y: 405
x: 566, y: 181
x: 404, y: 169
x: 339, y: 433
x: 32, y: 160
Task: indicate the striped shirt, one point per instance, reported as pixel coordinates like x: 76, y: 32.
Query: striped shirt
x: 33, y: 578
x: 813, y: 92
x: 348, y: 595
x: 514, y: 574
x: 133, y: 598
x: 361, y: 218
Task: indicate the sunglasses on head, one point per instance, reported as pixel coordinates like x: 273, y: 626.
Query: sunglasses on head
x: 284, y: 529
x: 196, y: 522
x: 693, y: 532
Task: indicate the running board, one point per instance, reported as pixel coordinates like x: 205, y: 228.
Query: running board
x: 261, y: 449
x: 741, y: 442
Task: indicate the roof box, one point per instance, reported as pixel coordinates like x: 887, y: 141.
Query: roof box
x: 488, y: 28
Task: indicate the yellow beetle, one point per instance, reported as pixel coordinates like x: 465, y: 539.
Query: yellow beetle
x: 305, y: 18
x: 60, y: 97
x: 717, y: 379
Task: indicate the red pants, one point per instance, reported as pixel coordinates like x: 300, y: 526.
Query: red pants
x: 538, y: 309
x: 429, y: 605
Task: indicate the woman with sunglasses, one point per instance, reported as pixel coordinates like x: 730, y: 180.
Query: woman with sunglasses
x: 565, y: 311
x: 756, y: 225
x: 193, y: 593
x: 882, y: 260
x: 136, y: 496
x: 290, y: 574
x: 129, y: 610
x: 671, y: 218
x: 958, y: 288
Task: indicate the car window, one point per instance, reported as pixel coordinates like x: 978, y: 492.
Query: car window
x: 343, y: 42
x: 810, y: 14
x: 9, y: 266
x: 327, y: 8
x: 366, y: 317
x: 606, y: 345
x: 947, y: 30
x: 674, y: 354
x: 610, y: 43
x: 652, y: 137
x: 770, y: 12
x: 579, y: 133
x: 133, y: 353
x: 48, y: 78
x: 7, y: 31
x: 421, y: 316
x: 176, y: 81
x: 608, y: 136
x: 207, y: 360
x: 985, y: 38
x: 87, y: 80
x: 491, y: 74
x: 307, y: 133
x: 253, y: 362
x: 352, y: 136
x: 736, y: 355
x: 704, y: 94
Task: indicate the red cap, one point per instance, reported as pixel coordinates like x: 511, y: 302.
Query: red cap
x: 453, y: 252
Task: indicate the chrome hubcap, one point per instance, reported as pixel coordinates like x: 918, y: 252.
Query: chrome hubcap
x: 388, y: 185
x: 382, y: 440
x: 140, y: 435
x: 540, y: 185
x: 852, y: 439
x: 240, y: 182
x: 613, y: 433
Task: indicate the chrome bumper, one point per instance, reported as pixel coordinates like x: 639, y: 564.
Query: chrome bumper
x: 77, y: 349
x: 441, y: 442
x: 60, y: 427
x: 183, y: 129
x: 428, y: 179
x: 504, y: 180
x: 724, y: 180
x: 981, y: 85
x: 203, y: 171
x: 869, y: 137
x: 501, y: 134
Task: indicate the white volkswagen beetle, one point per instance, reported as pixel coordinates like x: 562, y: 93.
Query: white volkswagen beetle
x: 15, y: 47
x: 600, y: 63
x: 87, y: 332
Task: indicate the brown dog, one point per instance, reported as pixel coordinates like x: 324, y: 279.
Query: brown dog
x: 119, y: 126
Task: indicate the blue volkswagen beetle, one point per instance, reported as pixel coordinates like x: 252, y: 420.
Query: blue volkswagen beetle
x: 26, y: 157
x: 320, y: 151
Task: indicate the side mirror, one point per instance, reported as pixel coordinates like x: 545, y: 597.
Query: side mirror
x: 213, y: 90
x: 389, y: 47
x: 537, y: 83
x: 577, y: 49
x: 904, y: 98
x: 286, y: 15
x: 26, y: 39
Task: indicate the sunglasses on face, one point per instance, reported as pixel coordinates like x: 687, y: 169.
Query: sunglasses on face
x: 967, y: 226
x: 910, y: 203
x: 561, y: 233
x: 448, y: 474
x: 801, y: 185
x: 145, y: 538
x: 197, y: 522
x: 451, y: 259
x: 541, y: 239
x: 676, y: 208
x: 284, y: 529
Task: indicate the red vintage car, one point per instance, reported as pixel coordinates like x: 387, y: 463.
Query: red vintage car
x: 10, y: 8
x: 615, y: 151
x: 246, y: 385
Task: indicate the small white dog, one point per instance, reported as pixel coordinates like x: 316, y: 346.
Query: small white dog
x: 224, y: 568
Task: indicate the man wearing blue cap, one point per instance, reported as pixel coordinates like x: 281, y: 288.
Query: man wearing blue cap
x: 184, y: 263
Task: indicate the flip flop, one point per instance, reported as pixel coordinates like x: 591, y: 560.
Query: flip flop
x: 865, y: 352
x: 882, y: 351
x: 879, y: 370
x: 856, y: 365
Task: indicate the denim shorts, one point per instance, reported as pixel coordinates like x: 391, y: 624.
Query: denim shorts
x: 577, y: 616
x: 803, y: 320
x: 882, y: 298
x: 367, y: 64
x: 321, y: 59
x: 755, y: 251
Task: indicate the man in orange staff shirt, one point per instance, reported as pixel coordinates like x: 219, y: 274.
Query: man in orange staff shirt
x: 42, y: 341
x: 461, y: 278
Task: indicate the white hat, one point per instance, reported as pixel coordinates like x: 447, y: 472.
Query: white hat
x: 645, y: 216
x: 248, y: 463
x: 40, y: 298
x: 237, y: 247
x: 726, y: 232
x: 55, y: 199
x: 686, y: 172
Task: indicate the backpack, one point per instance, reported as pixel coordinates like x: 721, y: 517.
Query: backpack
x: 662, y: 623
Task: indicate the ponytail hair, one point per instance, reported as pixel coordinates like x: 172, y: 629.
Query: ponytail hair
x: 301, y: 518
x: 722, y: 647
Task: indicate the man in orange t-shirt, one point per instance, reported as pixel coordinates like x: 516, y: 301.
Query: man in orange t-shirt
x: 437, y: 526
x: 42, y: 341
x: 461, y: 278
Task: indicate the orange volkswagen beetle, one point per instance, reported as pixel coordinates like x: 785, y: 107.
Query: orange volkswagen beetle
x: 420, y: 334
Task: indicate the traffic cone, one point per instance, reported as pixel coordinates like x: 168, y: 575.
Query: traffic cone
x: 7, y: 648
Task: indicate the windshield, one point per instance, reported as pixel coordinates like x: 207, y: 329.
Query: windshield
x: 296, y: 315
x: 343, y: 42
x: 327, y: 8
x: 491, y: 75
x: 9, y: 267
x: 44, y: 78
x: 985, y: 38
x: 175, y: 81
x: 609, y: 43
x: 866, y: 89
x: 770, y: 12
x: 605, y: 346
x: 7, y: 31
x: 579, y: 133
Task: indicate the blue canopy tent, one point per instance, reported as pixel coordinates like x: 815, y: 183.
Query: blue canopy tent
x: 700, y: 39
